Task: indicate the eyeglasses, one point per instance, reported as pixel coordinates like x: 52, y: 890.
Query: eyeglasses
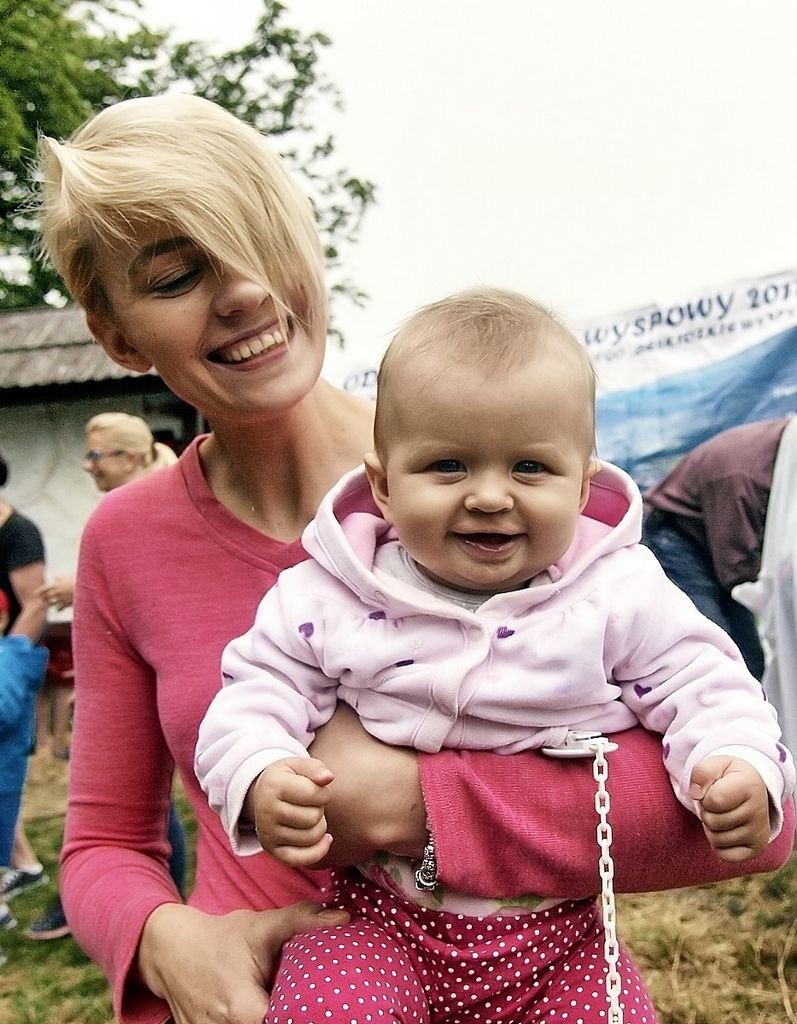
x: 94, y: 454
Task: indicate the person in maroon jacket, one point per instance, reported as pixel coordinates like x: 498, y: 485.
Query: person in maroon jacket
x: 705, y: 524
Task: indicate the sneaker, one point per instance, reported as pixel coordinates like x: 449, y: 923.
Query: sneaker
x: 7, y: 919
x: 16, y: 880
x: 51, y: 925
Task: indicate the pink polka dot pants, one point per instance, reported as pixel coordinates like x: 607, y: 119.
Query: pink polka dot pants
x: 398, y: 962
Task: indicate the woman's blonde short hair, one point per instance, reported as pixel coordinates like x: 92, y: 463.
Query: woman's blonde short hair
x: 184, y: 162
x: 131, y: 434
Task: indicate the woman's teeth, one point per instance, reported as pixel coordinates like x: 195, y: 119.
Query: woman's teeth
x: 251, y: 347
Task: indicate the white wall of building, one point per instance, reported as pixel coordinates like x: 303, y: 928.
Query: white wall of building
x: 43, y: 445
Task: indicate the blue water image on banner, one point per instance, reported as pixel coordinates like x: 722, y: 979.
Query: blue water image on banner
x: 647, y: 429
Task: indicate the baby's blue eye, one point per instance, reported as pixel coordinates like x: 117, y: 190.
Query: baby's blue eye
x: 528, y: 466
x: 448, y: 466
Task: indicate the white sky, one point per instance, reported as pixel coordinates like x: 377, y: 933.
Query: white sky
x: 599, y: 156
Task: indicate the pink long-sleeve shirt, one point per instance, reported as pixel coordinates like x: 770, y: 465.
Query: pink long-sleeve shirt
x: 606, y: 642
x: 167, y: 576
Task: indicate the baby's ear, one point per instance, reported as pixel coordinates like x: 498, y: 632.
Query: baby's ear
x: 377, y: 478
x: 592, y: 467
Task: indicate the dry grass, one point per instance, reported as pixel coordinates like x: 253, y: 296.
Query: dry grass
x: 724, y: 954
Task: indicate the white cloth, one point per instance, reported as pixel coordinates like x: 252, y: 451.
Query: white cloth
x: 772, y: 596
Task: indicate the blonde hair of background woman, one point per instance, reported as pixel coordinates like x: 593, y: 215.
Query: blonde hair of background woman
x: 132, y: 435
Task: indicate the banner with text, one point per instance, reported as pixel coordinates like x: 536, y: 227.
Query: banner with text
x: 675, y: 373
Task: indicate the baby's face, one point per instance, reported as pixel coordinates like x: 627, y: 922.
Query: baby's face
x: 485, y: 476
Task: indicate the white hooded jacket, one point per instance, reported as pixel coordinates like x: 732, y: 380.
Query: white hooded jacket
x: 607, y: 643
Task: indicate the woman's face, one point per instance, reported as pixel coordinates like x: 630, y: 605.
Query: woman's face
x: 110, y: 465
x: 214, y: 338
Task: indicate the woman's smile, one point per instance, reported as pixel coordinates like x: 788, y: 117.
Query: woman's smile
x: 246, y: 350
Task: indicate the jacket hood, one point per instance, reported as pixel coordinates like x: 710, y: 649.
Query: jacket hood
x: 345, y: 543
x: 611, y: 519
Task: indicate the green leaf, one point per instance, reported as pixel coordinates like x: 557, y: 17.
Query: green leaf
x: 61, y: 60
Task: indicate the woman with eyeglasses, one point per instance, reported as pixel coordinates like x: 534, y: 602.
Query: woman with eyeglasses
x: 120, y: 448
x: 178, y: 229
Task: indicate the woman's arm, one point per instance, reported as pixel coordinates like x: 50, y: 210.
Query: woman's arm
x: 114, y: 869
x: 162, y: 958
x: 543, y: 811
x: 539, y: 812
x: 376, y: 800
x: 27, y: 580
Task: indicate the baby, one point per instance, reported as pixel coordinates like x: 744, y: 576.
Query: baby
x: 500, y: 599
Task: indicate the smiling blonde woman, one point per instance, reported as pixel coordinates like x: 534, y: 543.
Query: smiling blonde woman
x: 178, y: 229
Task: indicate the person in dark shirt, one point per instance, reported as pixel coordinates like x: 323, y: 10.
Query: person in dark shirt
x: 21, y: 567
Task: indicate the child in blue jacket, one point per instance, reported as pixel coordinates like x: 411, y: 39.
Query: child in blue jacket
x: 22, y: 665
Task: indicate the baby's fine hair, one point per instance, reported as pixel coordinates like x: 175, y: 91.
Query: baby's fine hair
x: 131, y: 434
x: 186, y: 163
x: 482, y: 328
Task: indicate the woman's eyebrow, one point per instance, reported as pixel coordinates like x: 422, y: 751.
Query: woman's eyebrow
x: 164, y: 245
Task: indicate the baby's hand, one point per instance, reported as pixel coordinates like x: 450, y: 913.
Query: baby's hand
x: 288, y: 800
x: 734, y: 806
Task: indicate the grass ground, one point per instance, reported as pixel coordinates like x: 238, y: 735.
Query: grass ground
x: 724, y: 954
x: 47, y: 982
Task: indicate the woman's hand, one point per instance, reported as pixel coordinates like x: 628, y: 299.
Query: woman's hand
x: 217, y: 969
x: 375, y: 801
x: 59, y: 593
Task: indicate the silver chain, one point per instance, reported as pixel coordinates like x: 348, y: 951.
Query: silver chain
x: 577, y: 744
x: 611, y: 948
